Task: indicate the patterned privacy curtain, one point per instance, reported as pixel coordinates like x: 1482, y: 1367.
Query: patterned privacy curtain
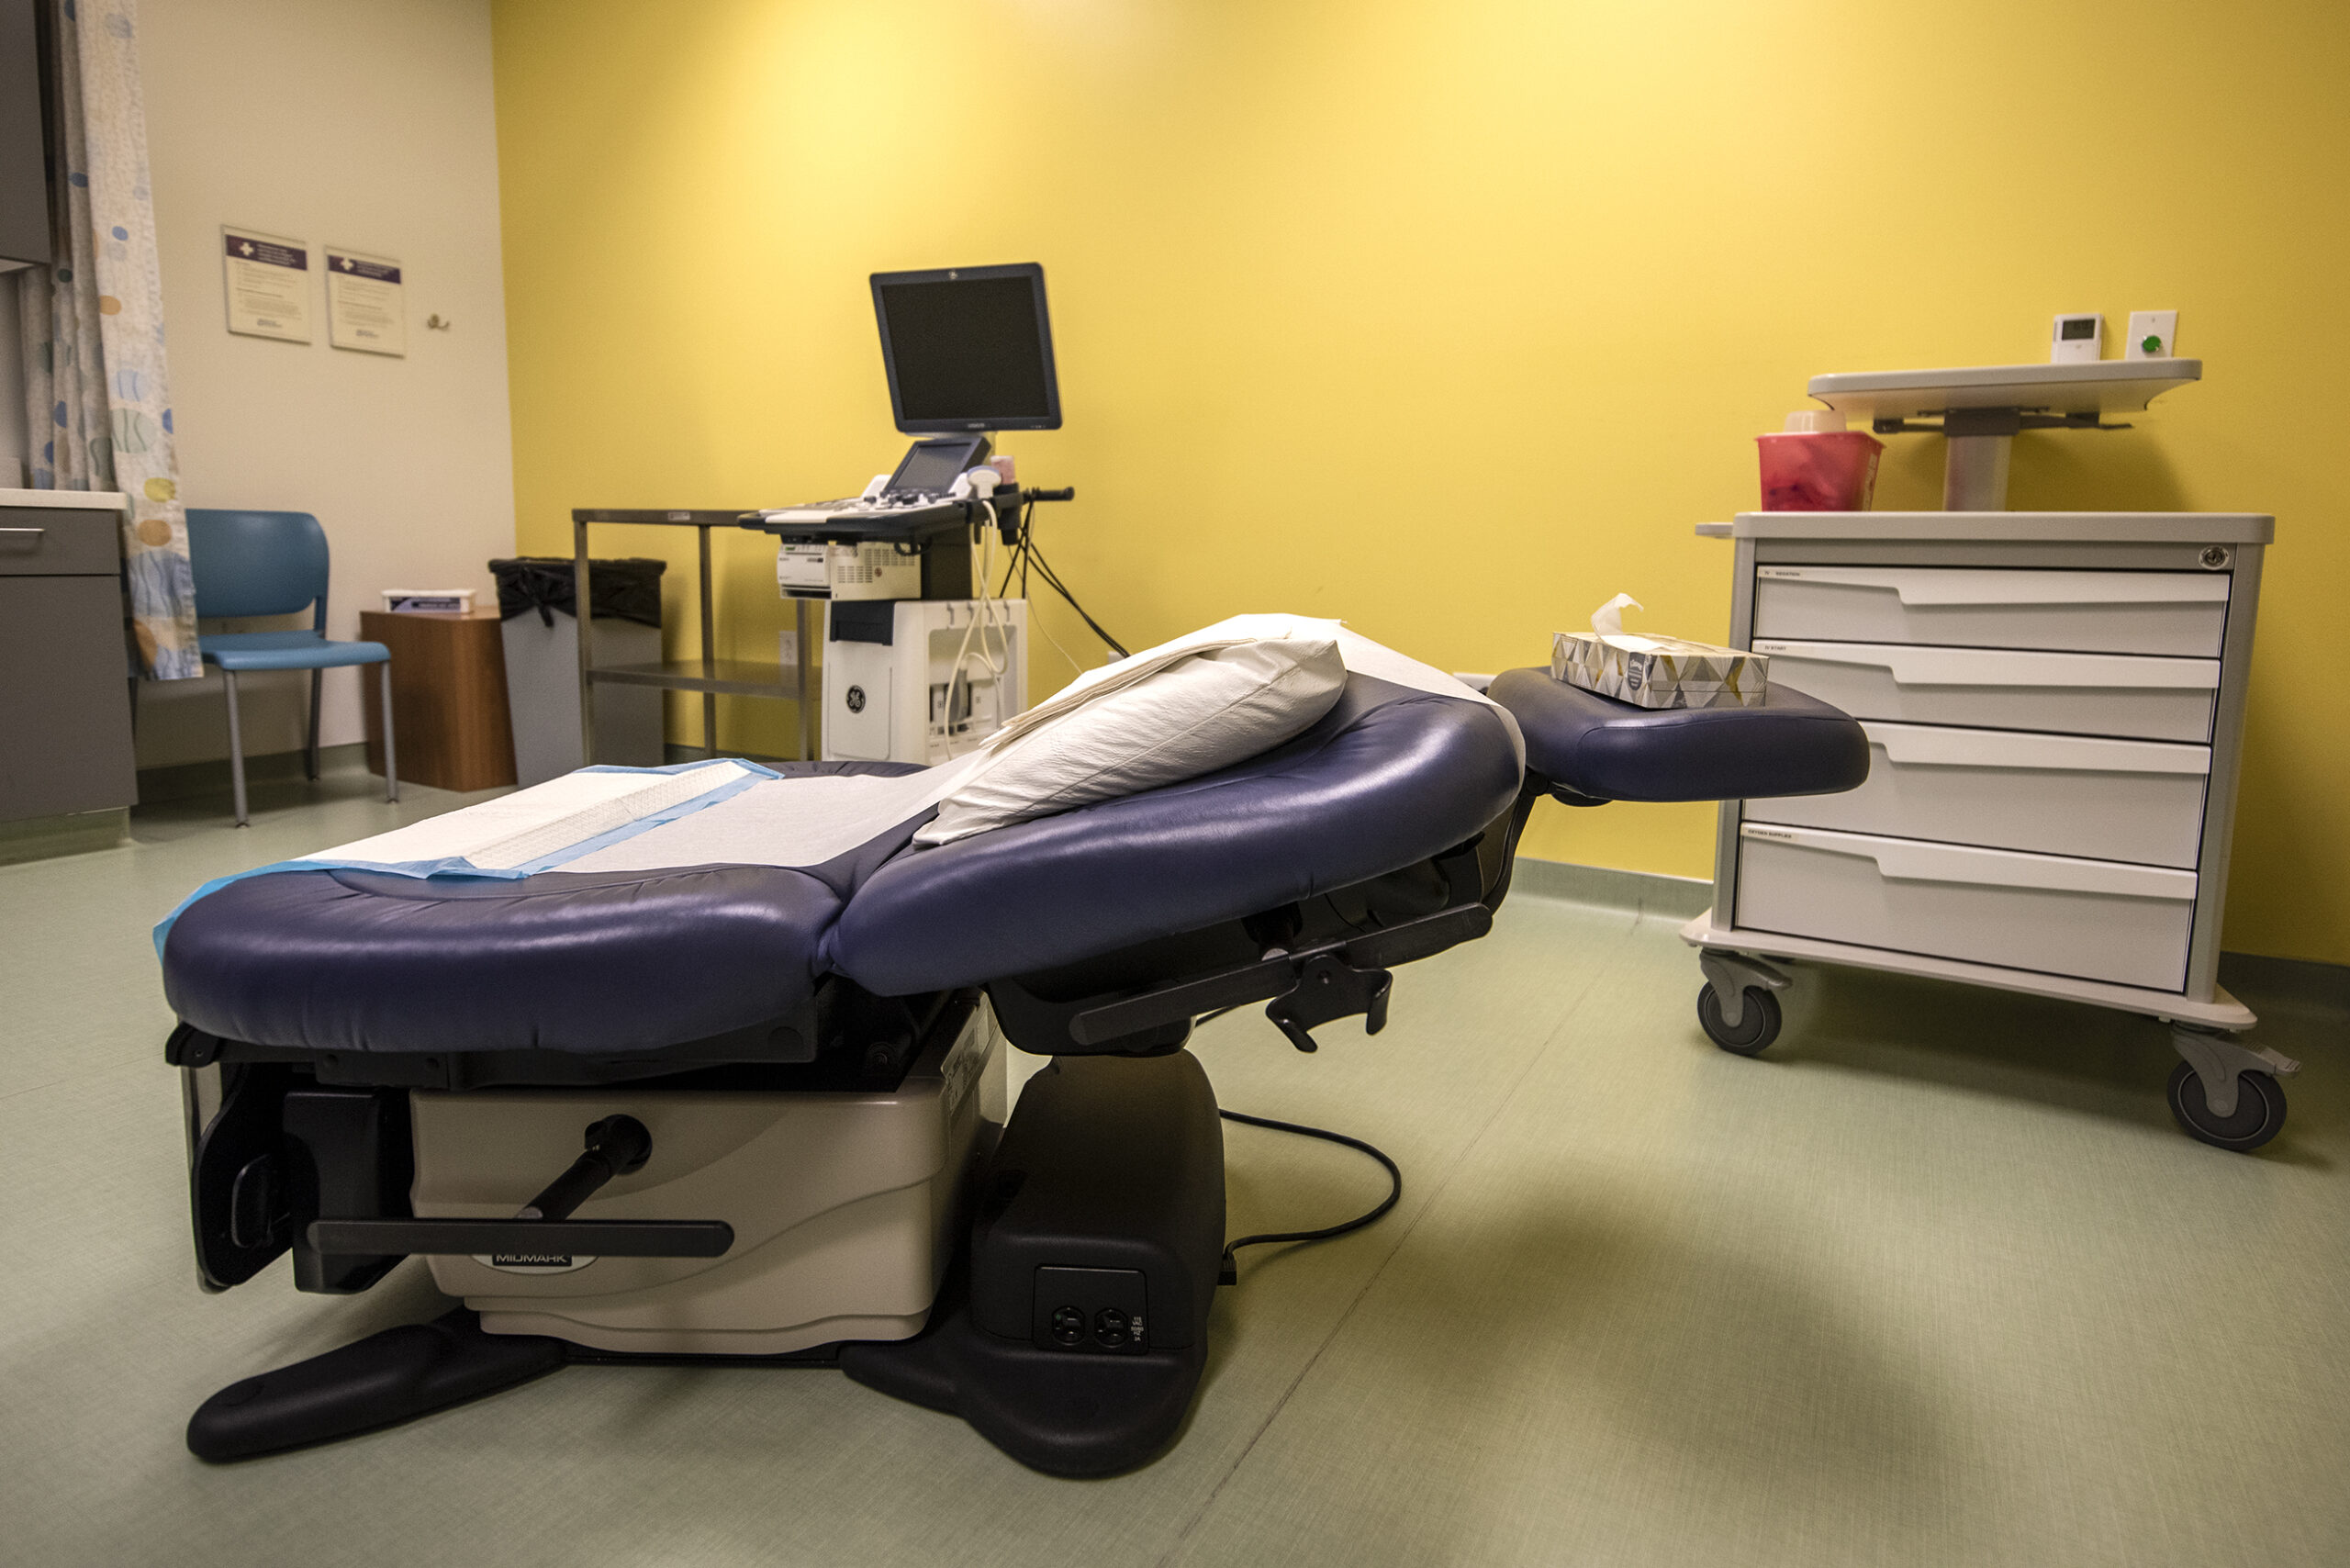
x: 96, y: 399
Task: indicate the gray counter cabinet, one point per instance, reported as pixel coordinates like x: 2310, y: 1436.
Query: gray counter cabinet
x: 65, y: 739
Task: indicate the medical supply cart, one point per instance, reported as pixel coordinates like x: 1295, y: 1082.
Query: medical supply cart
x: 2055, y: 703
x: 710, y: 675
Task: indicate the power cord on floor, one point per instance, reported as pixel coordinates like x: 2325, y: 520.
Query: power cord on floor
x: 1229, y: 1273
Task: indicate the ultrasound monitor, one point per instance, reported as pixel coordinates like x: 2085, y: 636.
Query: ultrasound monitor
x: 969, y: 349
x: 931, y: 467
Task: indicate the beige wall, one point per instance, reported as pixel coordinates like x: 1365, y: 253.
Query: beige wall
x: 367, y: 123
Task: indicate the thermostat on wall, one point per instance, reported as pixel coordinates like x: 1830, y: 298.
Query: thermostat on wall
x: 2076, y: 337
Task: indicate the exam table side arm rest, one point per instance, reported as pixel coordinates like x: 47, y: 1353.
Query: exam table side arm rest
x: 1279, y: 975
x: 1307, y: 984
x: 1585, y: 748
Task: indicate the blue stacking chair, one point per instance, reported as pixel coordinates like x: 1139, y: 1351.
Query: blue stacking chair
x: 273, y: 562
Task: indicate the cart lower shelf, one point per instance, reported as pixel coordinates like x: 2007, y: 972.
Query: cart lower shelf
x: 2223, y: 1091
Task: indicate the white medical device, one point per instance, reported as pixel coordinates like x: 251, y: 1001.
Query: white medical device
x: 2076, y: 337
x: 921, y: 679
x: 920, y: 665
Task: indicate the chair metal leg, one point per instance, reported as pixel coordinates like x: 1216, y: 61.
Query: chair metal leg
x: 391, y: 766
x: 236, y: 750
x: 310, y: 753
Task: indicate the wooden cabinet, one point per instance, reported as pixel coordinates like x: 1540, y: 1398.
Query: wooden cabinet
x: 448, y: 711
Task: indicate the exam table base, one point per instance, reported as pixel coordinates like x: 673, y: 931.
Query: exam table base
x: 845, y: 1207
x: 1073, y: 1330
x: 1105, y: 1198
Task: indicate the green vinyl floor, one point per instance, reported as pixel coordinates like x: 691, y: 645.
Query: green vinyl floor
x: 1935, y: 1281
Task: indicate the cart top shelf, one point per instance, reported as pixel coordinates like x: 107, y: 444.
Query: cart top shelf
x: 2099, y: 386
x: 2044, y: 527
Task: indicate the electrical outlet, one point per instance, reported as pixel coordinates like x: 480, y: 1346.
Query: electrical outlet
x: 2154, y: 334
x: 2076, y: 336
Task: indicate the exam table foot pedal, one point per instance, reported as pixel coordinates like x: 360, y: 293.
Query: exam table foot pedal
x: 1073, y: 1331
x: 380, y: 1380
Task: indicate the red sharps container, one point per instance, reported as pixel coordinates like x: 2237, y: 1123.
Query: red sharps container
x: 1815, y: 464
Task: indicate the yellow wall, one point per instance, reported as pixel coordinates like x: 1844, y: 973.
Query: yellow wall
x: 1447, y: 317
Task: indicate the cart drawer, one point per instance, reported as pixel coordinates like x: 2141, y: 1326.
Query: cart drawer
x: 46, y: 541
x: 2107, y: 800
x: 2179, y: 613
x: 2091, y: 919
x: 2090, y: 694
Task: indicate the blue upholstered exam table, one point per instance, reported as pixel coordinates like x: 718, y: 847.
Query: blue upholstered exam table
x: 758, y: 1112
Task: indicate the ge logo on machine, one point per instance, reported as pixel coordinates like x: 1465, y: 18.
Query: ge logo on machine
x: 857, y: 700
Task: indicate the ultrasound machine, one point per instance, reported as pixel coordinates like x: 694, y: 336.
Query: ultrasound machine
x: 924, y: 656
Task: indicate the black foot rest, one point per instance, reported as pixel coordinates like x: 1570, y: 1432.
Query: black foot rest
x: 1594, y: 748
x: 383, y: 1379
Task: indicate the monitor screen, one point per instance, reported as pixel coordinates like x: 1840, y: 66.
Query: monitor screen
x: 933, y: 466
x: 969, y: 349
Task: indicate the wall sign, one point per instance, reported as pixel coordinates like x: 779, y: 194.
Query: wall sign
x: 267, y: 279
x: 366, y: 307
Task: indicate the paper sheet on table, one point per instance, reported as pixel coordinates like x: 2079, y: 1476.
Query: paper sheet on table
x: 530, y: 825
x: 787, y: 821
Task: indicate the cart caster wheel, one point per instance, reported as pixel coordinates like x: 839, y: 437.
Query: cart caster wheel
x: 2260, y: 1112
x: 1758, y: 1022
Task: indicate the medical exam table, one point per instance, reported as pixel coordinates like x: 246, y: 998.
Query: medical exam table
x: 792, y: 1082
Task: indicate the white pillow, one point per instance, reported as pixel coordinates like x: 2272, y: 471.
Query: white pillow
x: 1206, y: 711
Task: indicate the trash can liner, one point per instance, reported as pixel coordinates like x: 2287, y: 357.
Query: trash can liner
x: 626, y: 589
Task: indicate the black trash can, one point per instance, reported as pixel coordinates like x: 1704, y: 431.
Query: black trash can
x: 538, y: 599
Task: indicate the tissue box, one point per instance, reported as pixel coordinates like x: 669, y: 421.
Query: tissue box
x: 429, y: 602
x: 1660, y: 672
